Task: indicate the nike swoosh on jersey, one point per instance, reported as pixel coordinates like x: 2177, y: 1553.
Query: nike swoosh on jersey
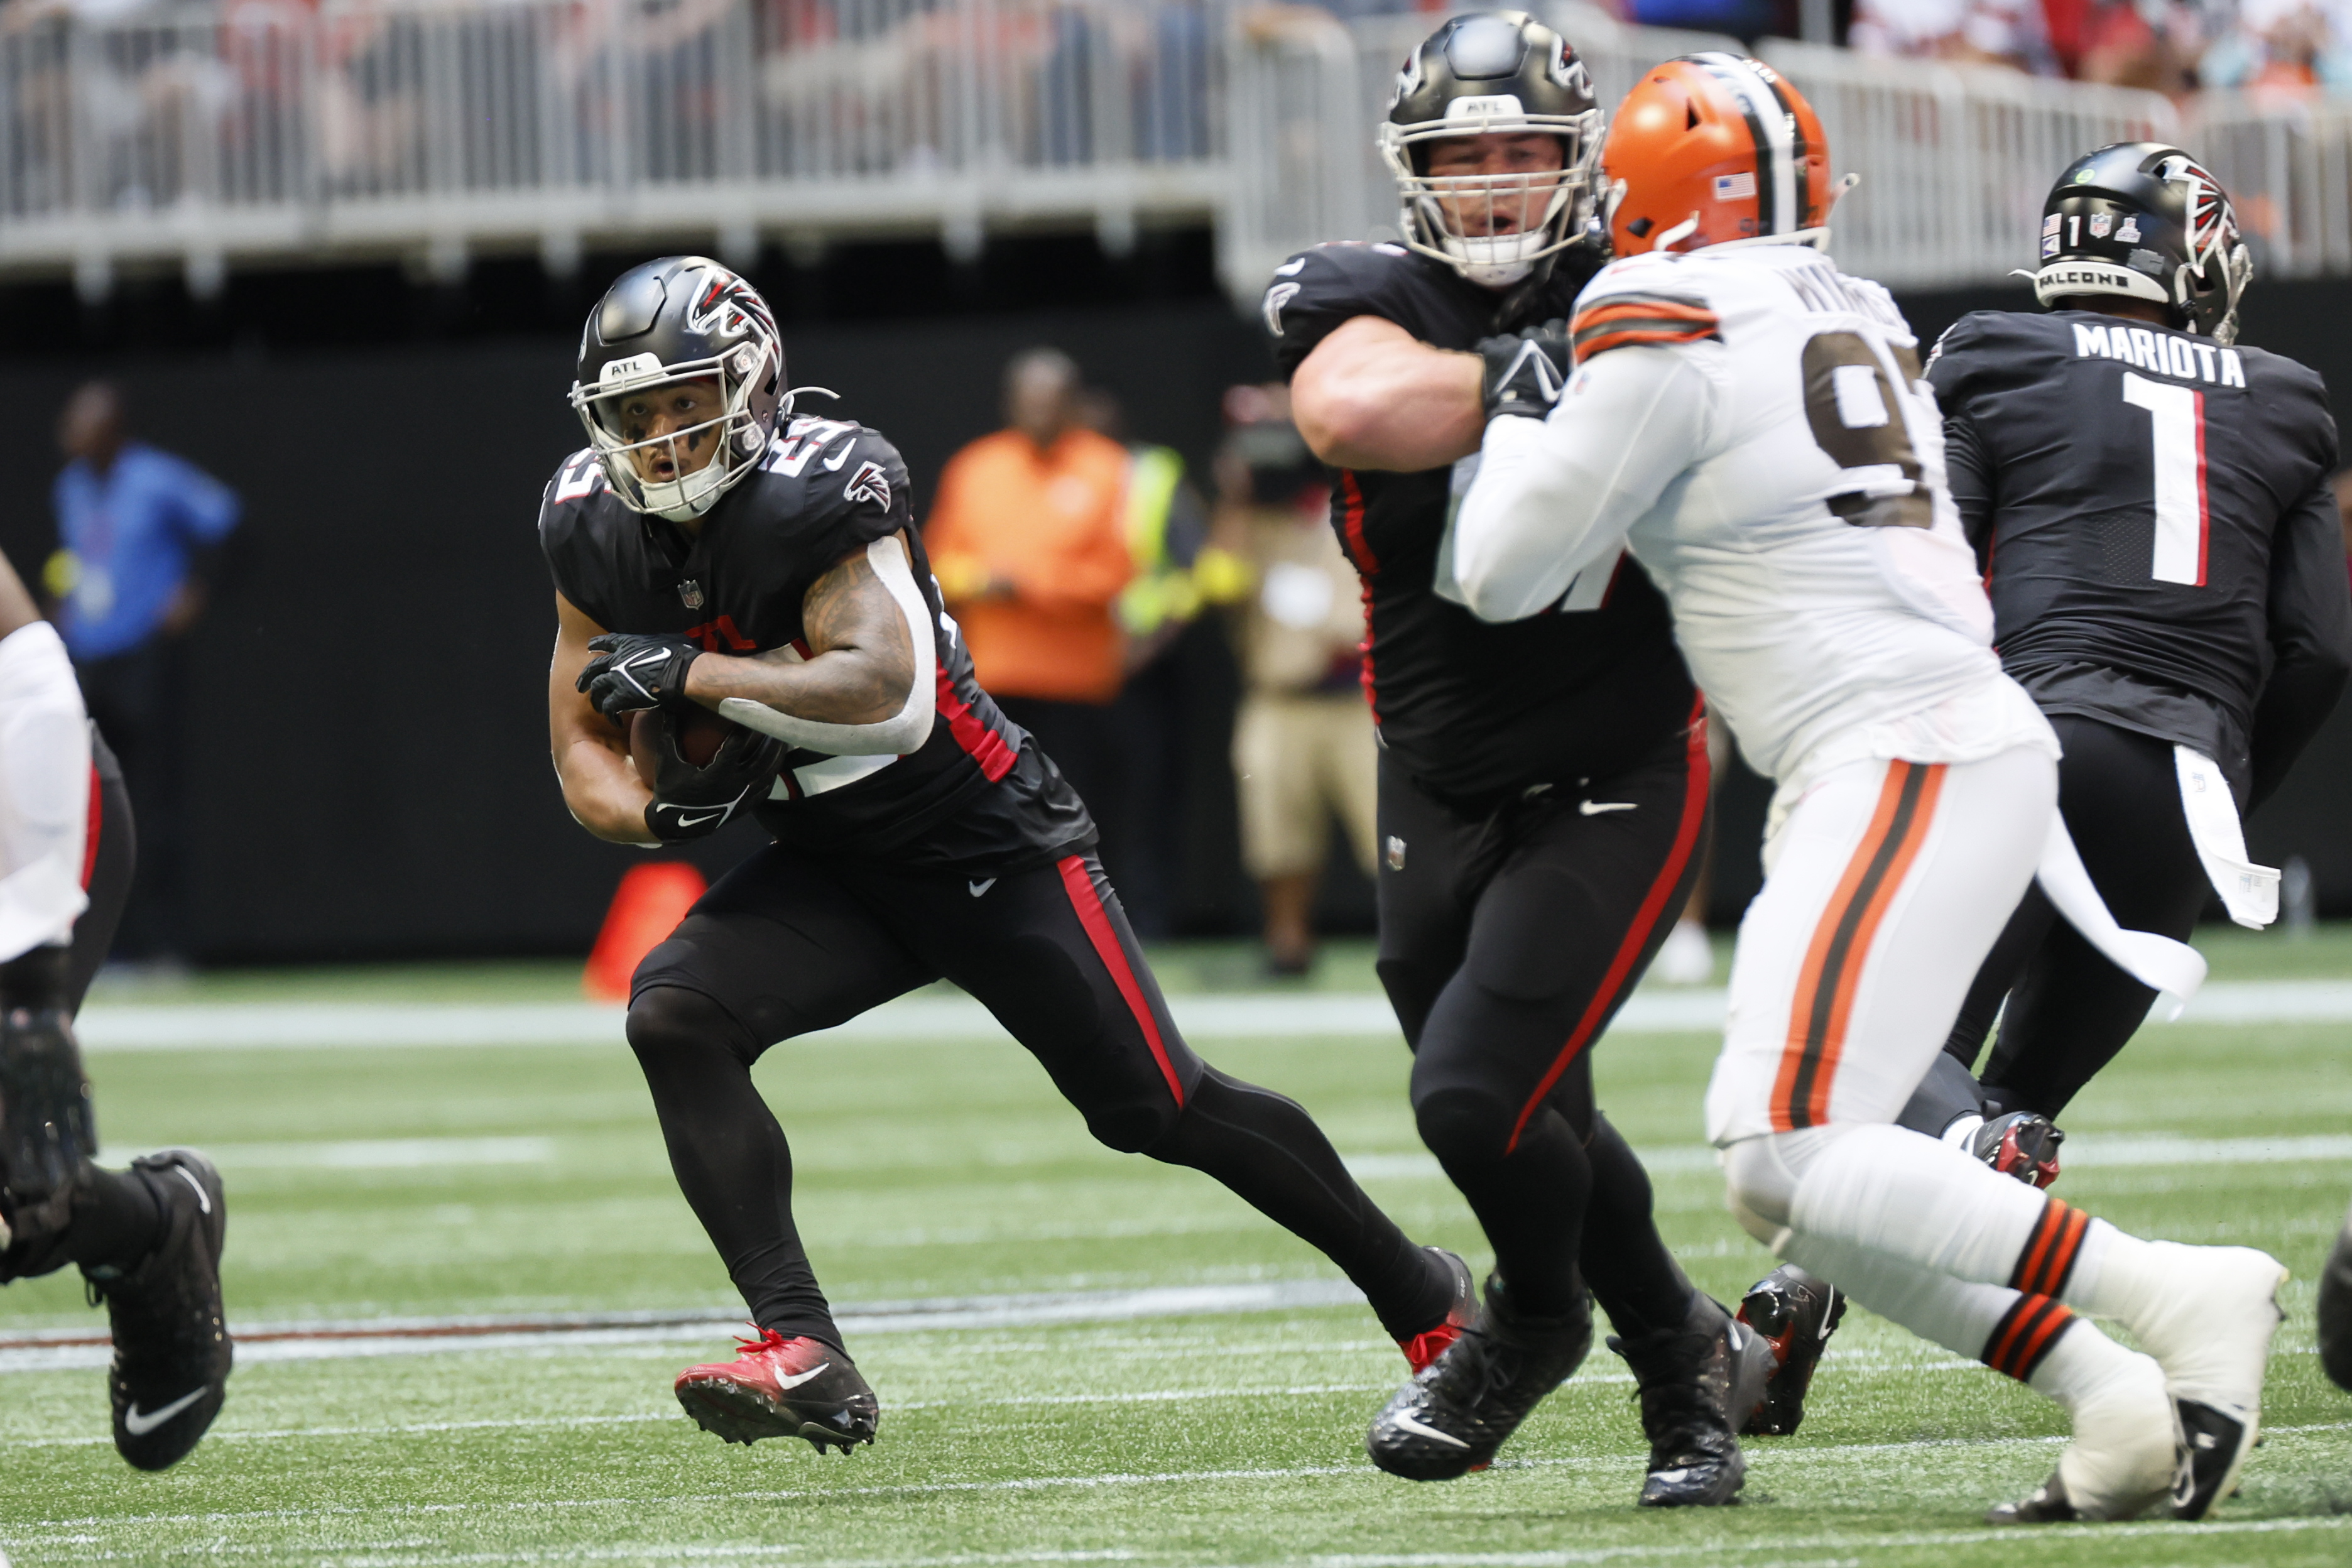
x: 800, y: 1377
x: 1595, y: 807
x: 980, y: 887
x: 138, y: 1423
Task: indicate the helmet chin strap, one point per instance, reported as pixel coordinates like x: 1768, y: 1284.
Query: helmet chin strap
x: 1667, y: 239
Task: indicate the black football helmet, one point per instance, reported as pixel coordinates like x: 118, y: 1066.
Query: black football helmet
x: 1493, y: 73
x: 2145, y: 219
x: 682, y: 318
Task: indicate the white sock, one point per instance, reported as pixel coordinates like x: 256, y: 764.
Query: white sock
x: 1962, y: 1133
x: 1951, y: 1312
x: 2121, y: 1460
x: 44, y: 790
x: 1894, y: 1193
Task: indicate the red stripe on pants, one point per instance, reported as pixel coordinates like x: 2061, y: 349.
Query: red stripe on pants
x: 1645, y: 918
x: 1079, y: 884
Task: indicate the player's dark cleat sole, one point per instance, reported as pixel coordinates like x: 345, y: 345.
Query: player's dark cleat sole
x: 1453, y: 1416
x: 172, y: 1348
x: 1460, y: 1313
x: 777, y: 1387
x: 1696, y: 1380
x: 1795, y: 1314
x: 2216, y: 1445
x: 2022, y: 1145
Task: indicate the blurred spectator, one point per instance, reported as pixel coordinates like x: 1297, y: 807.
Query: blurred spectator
x: 2285, y: 48
x: 139, y: 532
x: 1166, y: 524
x: 1996, y: 32
x: 1028, y: 539
x: 1303, y: 746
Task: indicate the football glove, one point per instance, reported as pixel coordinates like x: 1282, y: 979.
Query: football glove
x: 47, y: 1127
x: 694, y: 803
x: 636, y: 670
x: 1527, y: 370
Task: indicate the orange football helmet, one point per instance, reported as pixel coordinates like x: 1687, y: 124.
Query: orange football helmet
x: 1711, y: 148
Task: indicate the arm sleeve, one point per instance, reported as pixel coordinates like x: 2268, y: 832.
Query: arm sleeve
x: 208, y: 510
x: 2310, y: 637
x: 1317, y: 291
x: 1551, y: 498
x: 1969, y: 474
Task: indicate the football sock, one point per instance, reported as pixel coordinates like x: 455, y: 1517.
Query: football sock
x: 115, y: 1223
x: 729, y: 1155
x: 1623, y: 1258
x: 1530, y: 1198
x: 1269, y: 1151
x: 1882, y: 1189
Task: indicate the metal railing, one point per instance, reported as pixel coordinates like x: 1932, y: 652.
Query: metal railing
x: 435, y: 129
x: 446, y: 125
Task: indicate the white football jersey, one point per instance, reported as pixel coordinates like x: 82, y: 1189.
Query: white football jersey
x: 1753, y: 425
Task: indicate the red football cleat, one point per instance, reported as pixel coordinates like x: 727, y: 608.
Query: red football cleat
x: 777, y: 1387
x: 1430, y: 1343
x: 2020, y: 1144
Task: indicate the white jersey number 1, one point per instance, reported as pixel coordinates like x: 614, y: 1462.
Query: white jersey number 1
x: 2177, y: 421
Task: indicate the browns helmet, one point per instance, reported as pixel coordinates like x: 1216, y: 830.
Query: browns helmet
x: 1711, y: 149
x: 2144, y: 219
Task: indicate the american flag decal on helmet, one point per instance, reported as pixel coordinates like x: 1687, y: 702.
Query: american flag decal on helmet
x: 1623, y: 320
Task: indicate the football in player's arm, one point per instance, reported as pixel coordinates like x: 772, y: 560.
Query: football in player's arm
x: 711, y: 554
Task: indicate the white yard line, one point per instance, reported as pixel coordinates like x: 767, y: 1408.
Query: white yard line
x: 239, y: 1026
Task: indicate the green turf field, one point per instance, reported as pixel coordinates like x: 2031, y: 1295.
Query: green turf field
x: 370, y: 1184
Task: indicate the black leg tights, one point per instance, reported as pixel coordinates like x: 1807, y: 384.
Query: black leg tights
x: 728, y: 1153
x: 1269, y: 1151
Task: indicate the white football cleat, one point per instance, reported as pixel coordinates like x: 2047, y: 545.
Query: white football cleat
x: 2211, y: 1329
x: 2124, y: 1459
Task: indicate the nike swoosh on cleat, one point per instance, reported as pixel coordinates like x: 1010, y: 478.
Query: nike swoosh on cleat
x: 980, y: 887
x: 1595, y: 807
x: 139, y: 1425
x: 1410, y: 1424
x: 800, y: 1377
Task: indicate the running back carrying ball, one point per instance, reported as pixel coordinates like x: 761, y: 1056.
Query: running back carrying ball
x: 697, y: 736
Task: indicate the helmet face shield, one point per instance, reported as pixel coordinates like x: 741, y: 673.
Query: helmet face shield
x: 1493, y: 226
x: 680, y: 420
x: 1478, y: 110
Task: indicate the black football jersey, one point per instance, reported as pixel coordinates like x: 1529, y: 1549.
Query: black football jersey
x: 978, y: 795
x: 1476, y: 712
x: 2158, y: 531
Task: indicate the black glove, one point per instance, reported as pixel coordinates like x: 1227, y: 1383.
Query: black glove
x: 1525, y: 371
x: 636, y: 671
x: 693, y: 803
x: 46, y: 1129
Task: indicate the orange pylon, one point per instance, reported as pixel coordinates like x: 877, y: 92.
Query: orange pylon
x: 647, y: 906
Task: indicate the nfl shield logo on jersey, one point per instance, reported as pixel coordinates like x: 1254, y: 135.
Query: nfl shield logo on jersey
x: 690, y: 591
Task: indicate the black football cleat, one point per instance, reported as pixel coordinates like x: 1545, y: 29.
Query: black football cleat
x: 2020, y: 1144
x: 1698, y: 1380
x: 1460, y: 1313
x: 777, y: 1387
x: 1794, y: 1314
x: 171, y: 1348
x: 1449, y: 1420
x: 2335, y: 1313
x: 2215, y: 1443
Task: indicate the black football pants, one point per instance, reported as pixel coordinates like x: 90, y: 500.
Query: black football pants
x: 114, y: 1221
x: 1506, y: 944
x: 787, y: 943
x: 2070, y: 1010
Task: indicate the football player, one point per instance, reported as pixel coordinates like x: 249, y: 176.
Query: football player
x: 2152, y: 510
x: 148, y: 1240
x: 1543, y: 786
x: 2152, y: 506
x: 1753, y: 425
x: 712, y: 552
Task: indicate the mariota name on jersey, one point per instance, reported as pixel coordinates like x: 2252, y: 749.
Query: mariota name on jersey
x: 2182, y: 358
